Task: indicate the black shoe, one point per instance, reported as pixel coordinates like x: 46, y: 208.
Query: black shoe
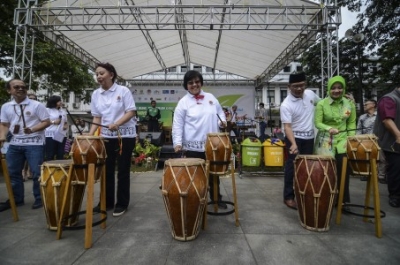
x: 382, y: 180
x: 222, y: 205
x: 364, y: 178
x: 37, y: 204
x: 6, y: 205
x: 394, y: 203
x: 118, y: 211
x: 97, y: 208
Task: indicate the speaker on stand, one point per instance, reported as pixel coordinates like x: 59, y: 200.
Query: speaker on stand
x: 156, y: 138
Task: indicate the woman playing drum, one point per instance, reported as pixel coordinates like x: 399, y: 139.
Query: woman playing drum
x: 113, y: 107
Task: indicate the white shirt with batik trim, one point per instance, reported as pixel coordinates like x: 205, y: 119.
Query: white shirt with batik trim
x: 194, y: 119
x: 299, y: 112
x: 34, y: 112
x: 111, y: 105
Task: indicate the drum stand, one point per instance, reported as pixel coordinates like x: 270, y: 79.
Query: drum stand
x: 89, y: 204
x: 215, y: 195
x: 371, y: 183
x: 9, y: 188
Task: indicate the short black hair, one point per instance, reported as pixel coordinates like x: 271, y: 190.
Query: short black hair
x: 261, y: 104
x: 190, y: 75
x: 151, y: 102
x: 373, y: 101
x: 52, y: 102
x: 109, y: 67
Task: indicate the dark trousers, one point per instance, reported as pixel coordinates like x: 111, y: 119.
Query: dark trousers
x: 54, y: 148
x: 124, y: 165
x: 305, y: 147
x: 152, y: 126
x: 263, y: 127
x: 393, y: 174
x: 339, y: 165
x: 202, y: 155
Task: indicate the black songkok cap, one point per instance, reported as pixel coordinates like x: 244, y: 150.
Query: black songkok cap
x: 297, y: 77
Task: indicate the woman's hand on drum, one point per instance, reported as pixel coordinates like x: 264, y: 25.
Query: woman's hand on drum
x: 178, y: 148
x: 293, y: 149
x: 333, y: 131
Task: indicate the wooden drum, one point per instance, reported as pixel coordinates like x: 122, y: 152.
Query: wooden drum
x: 53, y: 182
x: 361, y: 149
x: 315, y: 189
x: 218, y: 150
x: 184, y: 190
x: 84, y: 151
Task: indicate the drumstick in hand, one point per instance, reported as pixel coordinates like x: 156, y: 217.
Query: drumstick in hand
x: 22, y: 115
x: 222, y: 123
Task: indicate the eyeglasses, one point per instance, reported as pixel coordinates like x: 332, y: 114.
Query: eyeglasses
x: 20, y: 87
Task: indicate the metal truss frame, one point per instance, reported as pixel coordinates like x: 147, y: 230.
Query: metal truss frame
x: 52, y: 21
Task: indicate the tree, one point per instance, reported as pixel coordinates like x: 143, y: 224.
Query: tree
x: 52, y: 68
x: 379, y: 24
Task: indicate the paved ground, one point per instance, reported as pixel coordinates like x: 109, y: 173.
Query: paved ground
x: 269, y: 232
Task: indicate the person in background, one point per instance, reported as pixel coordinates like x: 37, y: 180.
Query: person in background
x: 387, y: 128
x: 195, y: 116
x: 365, y: 125
x: 235, y: 122
x: 153, y: 115
x: 262, y: 118
x: 26, y: 120
x: 297, y: 116
x: 335, y: 119
x: 113, y: 107
x: 228, y: 117
x: 79, y: 126
x: 56, y: 133
x: 26, y: 172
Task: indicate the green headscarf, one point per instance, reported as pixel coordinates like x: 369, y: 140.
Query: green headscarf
x: 336, y: 79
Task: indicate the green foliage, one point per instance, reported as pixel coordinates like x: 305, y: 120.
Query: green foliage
x: 379, y: 23
x: 52, y: 67
x: 148, y: 150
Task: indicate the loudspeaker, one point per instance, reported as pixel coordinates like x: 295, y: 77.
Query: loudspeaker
x: 156, y: 138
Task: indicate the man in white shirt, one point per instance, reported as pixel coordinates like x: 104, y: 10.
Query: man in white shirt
x: 26, y: 119
x: 297, y: 116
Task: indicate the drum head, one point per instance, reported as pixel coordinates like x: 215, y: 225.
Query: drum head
x: 184, y: 162
x: 57, y: 162
x: 90, y: 137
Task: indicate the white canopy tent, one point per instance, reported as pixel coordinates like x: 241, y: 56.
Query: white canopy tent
x: 253, y: 39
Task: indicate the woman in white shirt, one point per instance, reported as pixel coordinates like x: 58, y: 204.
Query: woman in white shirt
x: 56, y: 133
x: 113, y: 107
x: 195, y: 116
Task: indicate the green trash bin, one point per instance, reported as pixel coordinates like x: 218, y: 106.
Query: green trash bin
x: 251, y: 152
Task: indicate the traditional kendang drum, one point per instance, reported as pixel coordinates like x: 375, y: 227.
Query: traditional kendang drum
x: 218, y: 151
x: 361, y: 149
x: 84, y: 151
x: 53, y: 183
x: 184, y: 190
x: 315, y: 189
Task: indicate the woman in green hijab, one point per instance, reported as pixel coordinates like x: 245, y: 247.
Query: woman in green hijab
x: 335, y: 119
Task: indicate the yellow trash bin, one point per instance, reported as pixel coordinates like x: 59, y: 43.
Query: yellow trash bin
x: 273, y: 152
